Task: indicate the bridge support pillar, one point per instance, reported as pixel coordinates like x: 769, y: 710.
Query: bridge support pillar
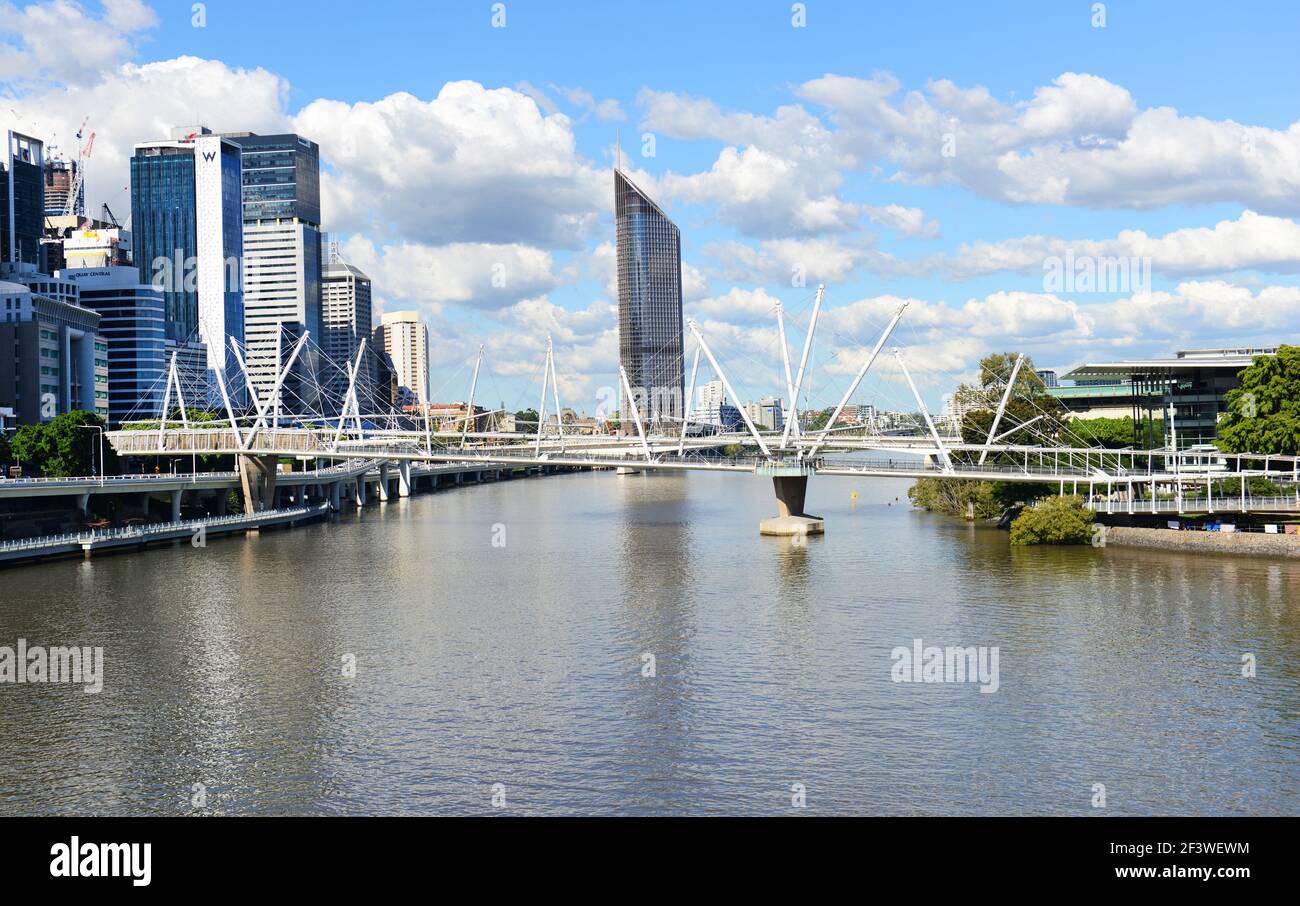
x: 176, y: 505
x: 83, y: 502
x: 361, y: 490
x: 404, y: 478
x: 791, y: 518
x: 257, y: 481
x: 383, y: 482
x: 336, y: 495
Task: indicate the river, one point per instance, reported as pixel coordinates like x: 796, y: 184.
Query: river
x: 501, y: 636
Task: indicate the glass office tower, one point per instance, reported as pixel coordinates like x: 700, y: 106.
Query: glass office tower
x: 22, y: 200
x: 188, y: 229
x: 282, y: 259
x: 162, y: 226
x: 649, y: 305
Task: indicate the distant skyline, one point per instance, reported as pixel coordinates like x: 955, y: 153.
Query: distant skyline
x: 939, y: 153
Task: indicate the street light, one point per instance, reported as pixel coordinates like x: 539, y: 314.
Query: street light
x: 100, y: 469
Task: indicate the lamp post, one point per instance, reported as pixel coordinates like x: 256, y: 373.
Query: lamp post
x: 99, y: 471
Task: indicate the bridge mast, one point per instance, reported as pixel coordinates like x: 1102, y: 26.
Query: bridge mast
x: 803, y: 364
x: 925, y: 412
x: 862, y: 372
x: 1002, y: 407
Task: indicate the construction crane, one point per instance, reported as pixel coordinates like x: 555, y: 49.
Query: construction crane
x: 73, y: 204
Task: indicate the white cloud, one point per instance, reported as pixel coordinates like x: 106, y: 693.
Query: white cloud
x: 763, y: 194
x: 909, y: 222
x: 474, y: 275
x: 59, y: 41
x: 134, y: 103
x: 607, y: 111
x: 471, y: 165
x: 1080, y: 141
x: 737, y: 306
x: 1252, y: 241
x: 782, y: 261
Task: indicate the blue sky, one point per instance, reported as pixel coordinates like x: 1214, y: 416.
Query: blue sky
x: 775, y: 146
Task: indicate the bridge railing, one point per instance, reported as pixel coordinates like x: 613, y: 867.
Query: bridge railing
x: 110, y: 479
x: 144, y: 532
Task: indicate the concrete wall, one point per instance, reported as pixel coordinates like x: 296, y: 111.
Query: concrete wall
x: 1251, y: 544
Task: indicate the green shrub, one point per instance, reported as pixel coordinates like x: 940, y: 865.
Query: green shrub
x: 1054, y: 520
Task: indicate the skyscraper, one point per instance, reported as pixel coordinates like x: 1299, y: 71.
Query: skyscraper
x: 406, y: 340
x: 187, y: 226
x: 348, y: 317
x: 649, y: 304
x: 282, y: 252
x: 134, y: 331
x: 22, y: 199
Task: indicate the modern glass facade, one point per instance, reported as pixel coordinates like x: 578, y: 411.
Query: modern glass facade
x: 281, y: 176
x: 133, y: 326
x: 22, y: 200
x: 649, y: 304
x: 163, y: 213
x: 282, y: 251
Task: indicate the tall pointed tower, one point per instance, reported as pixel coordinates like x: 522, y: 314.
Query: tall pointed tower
x: 649, y: 305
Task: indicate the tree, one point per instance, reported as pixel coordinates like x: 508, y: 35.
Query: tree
x: 1029, y: 399
x: 62, y: 447
x: 1264, y: 412
x: 816, y: 421
x: 1111, y: 433
x: 31, y: 447
x: 527, y: 418
x: 6, y: 455
x: 1054, y: 520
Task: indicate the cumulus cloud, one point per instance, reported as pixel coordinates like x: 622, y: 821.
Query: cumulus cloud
x: 791, y: 262
x: 134, y: 103
x: 1080, y: 141
x: 471, y: 165
x: 1252, y: 241
x: 474, y: 275
x: 909, y: 222
x: 59, y: 41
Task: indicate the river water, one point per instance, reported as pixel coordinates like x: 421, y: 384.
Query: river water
x: 501, y: 633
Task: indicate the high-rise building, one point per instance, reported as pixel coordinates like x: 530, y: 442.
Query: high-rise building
x: 187, y: 228
x: 60, y: 177
x: 282, y: 253
x: 133, y: 325
x: 767, y: 413
x: 97, y: 247
x: 52, y: 359
x: 348, y: 317
x: 22, y: 200
x: 649, y: 304
x: 713, y: 410
x: 403, y: 336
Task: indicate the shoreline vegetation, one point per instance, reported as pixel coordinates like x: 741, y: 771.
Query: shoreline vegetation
x: 1263, y: 417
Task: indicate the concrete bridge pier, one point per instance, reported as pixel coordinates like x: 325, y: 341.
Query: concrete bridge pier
x: 257, y: 480
x: 791, y: 486
x: 404, y: 478
x: 176, y: 505
x: 361, y: 490
x: 383, y: 482
x: 336, y: 495
x: 83, y: 502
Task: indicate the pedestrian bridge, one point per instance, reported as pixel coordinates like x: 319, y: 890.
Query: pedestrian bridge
x: 335, y: 434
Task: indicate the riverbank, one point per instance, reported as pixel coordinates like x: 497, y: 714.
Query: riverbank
x: 1251, y: 544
